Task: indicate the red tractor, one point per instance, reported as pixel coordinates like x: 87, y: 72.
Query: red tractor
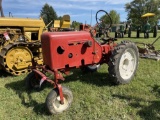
x: 63, y: 51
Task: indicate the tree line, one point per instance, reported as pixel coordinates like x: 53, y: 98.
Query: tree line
x: 135, y: 9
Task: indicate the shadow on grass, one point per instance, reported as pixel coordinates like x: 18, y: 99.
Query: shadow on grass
x: 4, y: 74
x: 26, y: 97
x: 150, y: 112
x: 95, y: 78
x: 99, y: 79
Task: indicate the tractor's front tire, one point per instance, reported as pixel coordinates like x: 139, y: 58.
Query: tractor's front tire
x: 123, y: 62
x: 53, y: 101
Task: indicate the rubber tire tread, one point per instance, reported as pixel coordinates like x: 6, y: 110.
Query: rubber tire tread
x: 114, y: 62
x: 54, y: 93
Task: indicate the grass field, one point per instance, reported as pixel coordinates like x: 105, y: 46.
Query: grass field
x: 95, y: 97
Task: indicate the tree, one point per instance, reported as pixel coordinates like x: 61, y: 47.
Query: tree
x: 1, y: 9
x: 137, y: 8
x: 115, y: 17
x: 48, y: 14
x: 59, y: 18
x: 75, y: 25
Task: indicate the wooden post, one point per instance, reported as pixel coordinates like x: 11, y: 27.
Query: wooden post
x: 1, y: 9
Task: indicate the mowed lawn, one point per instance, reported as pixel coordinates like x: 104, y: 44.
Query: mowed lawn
x: 94, y: 95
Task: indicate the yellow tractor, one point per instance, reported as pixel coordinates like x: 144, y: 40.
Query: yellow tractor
x: 62, y: 25
x: 20, y: 42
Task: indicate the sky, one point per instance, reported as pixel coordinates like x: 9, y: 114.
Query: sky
x: 83, y: 11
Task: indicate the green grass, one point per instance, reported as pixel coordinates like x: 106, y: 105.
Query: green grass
x: 95, y: 97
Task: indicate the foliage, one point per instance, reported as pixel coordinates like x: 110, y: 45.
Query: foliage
x: 105, y: 21
x: 137, y: 8
x: 59, y: 18
x: 115, y: 17
x: 48, y: 14
x: 75, y: 25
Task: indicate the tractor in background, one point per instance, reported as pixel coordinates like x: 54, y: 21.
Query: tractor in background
x: 62, y: 25
x: 123, y: 29
x: 146, y: 28
x: 20, y: 42
x: 64, y: 51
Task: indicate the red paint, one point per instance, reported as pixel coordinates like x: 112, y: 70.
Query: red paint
x: 63, y: 50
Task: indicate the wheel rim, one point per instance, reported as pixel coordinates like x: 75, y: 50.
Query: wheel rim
x: 127, y: 64
x: 60, y: 107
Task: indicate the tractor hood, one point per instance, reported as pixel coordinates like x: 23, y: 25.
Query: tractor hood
x: 69, y: 49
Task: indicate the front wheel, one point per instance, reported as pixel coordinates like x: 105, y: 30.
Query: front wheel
x: 123, y: 62
x: 53, y: 101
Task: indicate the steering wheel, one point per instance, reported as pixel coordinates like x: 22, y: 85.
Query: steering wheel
x: 102, y: 21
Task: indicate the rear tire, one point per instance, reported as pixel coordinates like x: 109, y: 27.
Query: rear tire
x: 123, y: 62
